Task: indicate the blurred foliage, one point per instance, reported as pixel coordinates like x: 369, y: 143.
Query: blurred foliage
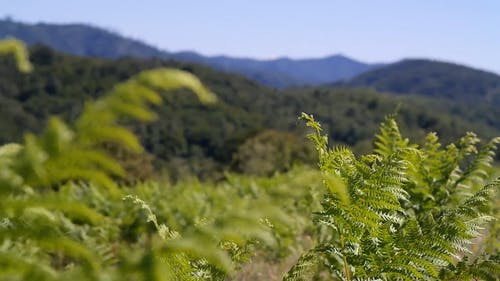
x: 63, y: 216
x: 16, y: 48
x: 271, y: 151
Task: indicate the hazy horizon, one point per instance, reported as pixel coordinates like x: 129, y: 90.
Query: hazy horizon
x: 453, y: 31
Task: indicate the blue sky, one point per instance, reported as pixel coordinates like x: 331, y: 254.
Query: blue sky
x: 466, y: 32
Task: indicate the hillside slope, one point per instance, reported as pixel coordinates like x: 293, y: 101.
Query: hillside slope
x: 206, y: 138
x: 78, y: 39
x: 86, y: 40
x: 432, y: 79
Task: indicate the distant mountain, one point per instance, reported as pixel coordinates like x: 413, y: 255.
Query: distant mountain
x: 285, y: 72
x: 433, y: 79
x: 86, y: 40
x: 78, y: 39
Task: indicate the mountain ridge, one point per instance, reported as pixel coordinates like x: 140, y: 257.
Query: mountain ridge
x: 431, y: 78
x: 418, y: 76
x: 89, y: 40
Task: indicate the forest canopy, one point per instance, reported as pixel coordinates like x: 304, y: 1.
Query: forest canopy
x: 189, y: 138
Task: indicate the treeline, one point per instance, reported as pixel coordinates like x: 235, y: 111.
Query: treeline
x: 252, y: 129
x: 433, y: 79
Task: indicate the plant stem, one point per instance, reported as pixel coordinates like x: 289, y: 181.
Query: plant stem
x: 346, y: 266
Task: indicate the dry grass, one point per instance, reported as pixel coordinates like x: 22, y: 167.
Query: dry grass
x: 262, y: 268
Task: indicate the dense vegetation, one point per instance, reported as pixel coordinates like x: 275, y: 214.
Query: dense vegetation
x: 189, y: 138
x: 433, y: 79
x: 64, y: 217
x: 401, y: 213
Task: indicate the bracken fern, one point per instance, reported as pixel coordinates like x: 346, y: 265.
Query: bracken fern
x: 403, y: 212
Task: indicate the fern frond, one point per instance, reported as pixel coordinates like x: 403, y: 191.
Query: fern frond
x: 476, y: 171
x: 389, y: 139
x: 407, y: 217
x: 18, y: 49
x: 305, y: 268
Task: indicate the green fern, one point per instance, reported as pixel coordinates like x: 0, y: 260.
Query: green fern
x: 15, y: 47
x: 403, y: 212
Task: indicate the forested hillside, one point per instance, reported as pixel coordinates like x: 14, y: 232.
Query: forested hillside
x: 433, y: 79
x: 86, y: 40
x: 189, y: 138
x: 78, y: 39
